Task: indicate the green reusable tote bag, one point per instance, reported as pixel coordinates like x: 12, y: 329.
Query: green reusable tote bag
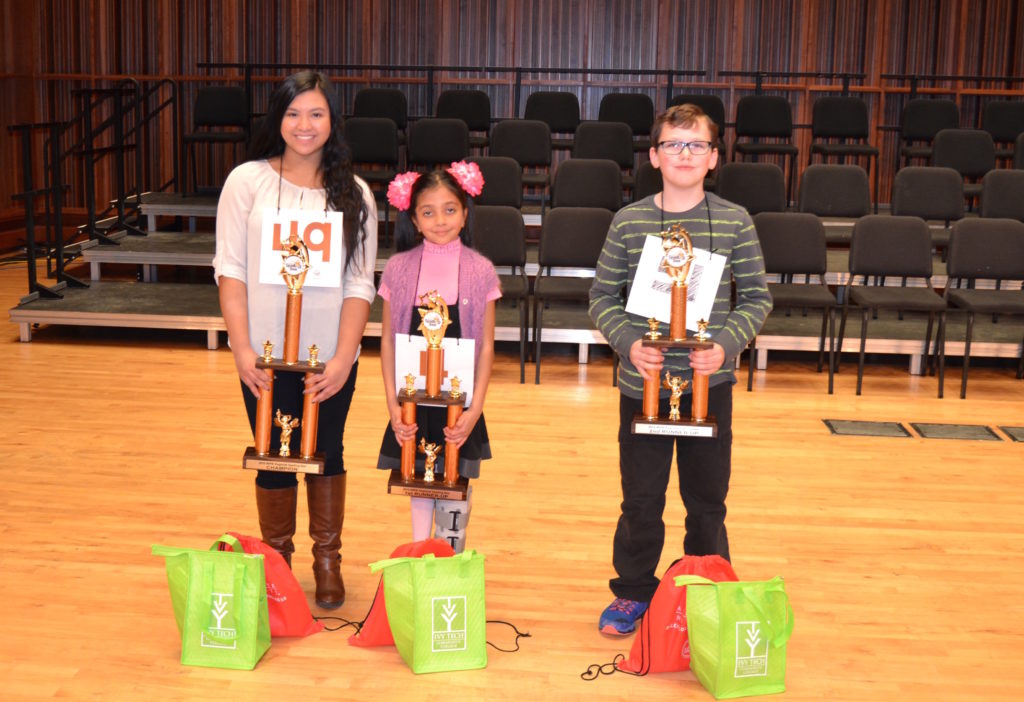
x: 436, y: 610
x: 738, y: 633
x: 220, y: 604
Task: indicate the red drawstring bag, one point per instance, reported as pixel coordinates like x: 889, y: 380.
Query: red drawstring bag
x: 286, y: 602
x: 661, y: 644
x: 375, y: 630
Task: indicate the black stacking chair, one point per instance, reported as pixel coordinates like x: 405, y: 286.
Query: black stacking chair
x: 840, y: 129
x: 1002, y: 194
x: 835, y: 191
x: 503, y: 181
x: 1004, y: 120
x: 922, y: 119
x: 713, y: 107
x: 885, y: 248
x: 610, y: 140
x: 931, y: 193
x: 560, y: 111
x: 1018, y: 153
x: 759, y: 187
x: 970, y: 152
x: 633, y: 109
x: 571, y: 239
x: 437, y: 141
x: 471, y: 106
x: 992, y: 250
x: 220, y: 116
x: 794, y: 249
x: 500, y: 235
x: 648, y: 181
x: 383, y: 102
x: 587, y: 182
x: 528, y: 141
x: 760, y: 117
x: 374, y: 145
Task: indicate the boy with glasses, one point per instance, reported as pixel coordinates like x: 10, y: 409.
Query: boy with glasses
x: 684, y: 149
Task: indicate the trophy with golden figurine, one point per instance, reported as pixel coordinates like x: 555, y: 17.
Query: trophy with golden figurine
x: 295, y: 265
x: 676, y: 262
x: 434, y: 321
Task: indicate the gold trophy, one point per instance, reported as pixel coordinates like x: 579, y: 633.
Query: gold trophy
x: 676, y: 262
x: 434, y: 321
x: 294, y: 266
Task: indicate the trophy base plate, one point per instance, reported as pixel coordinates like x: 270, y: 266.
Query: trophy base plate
x: 690, y: 342
x: 418, y: 487
x: 283, y: 464
x: 662, y: 426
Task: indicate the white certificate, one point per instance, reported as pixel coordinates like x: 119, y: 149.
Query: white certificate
x: 321, y: 232
x: 651, y: 292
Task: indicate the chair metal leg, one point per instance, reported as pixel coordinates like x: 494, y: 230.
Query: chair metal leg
x: 839, y: 336
x: 522, y: 339
x: 536, y: 341
x: 821, y: 338
x: 863, y: 344
x: 940, y: 350
x: 929, y: 369
x: 750, y: 364
x: 967, y: 355
x: 831, y: 347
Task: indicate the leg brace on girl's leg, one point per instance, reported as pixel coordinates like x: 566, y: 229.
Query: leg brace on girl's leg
x: 422, y: 509
x: 451, y: 518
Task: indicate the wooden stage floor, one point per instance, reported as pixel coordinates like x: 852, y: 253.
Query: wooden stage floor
x: 903, y: 557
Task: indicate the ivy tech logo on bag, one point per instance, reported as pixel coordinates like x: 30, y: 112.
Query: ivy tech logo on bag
x: 448, y: 624
x: 750, y: 639
x: 220, y: 634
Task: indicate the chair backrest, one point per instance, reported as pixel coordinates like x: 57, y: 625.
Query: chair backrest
x: 221, y: 106
x: 500, y: 234
x: 711, y: 104
x: 611, y: 140
x: 792, y: 243
x: 587, y: 182
x: 528, y: 141
x: 986, y: 248
x: 437, y: 140
x: 648, y: 181
x: 843, y: 117
x: 759, y: 187
x: 560, y: 110
x: 971, y: 152
x: 634, y: 109
x: 928, y: 192
x: 923, y: 118
x: 883, y: 245
x: 503, y: 181
x: 572, y: 237
x: 471, y: 106
x: 1002, y: 194
x: 835, y: 190
x: 764, y: 116
x: 372, y: 140
x: 1004, y: 120
x: 382, y: 102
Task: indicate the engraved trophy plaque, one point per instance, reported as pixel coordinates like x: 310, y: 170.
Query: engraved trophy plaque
x: 295, y: 265
x: 404, y: 481
x: 676, y: 262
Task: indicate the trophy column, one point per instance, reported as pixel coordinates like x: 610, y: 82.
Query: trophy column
x: 676, y: 262
x: 404, y: 481
x: 295, y: 264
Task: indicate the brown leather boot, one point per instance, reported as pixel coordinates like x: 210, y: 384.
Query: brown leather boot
x: 277, y: 519
x: 326, y: 496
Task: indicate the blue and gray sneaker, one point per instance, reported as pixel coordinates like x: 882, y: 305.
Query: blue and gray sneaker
x: 620, y: 617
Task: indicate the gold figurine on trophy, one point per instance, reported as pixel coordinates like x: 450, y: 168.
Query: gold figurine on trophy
x: 430, y: 451
x: 676, y: 385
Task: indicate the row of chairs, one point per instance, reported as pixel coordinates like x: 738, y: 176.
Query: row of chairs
x: 883, y: 249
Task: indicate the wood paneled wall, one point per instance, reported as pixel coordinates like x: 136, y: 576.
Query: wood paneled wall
x: 53, y: 46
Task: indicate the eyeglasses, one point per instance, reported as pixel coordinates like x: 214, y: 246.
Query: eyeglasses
x: 674, y: 148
